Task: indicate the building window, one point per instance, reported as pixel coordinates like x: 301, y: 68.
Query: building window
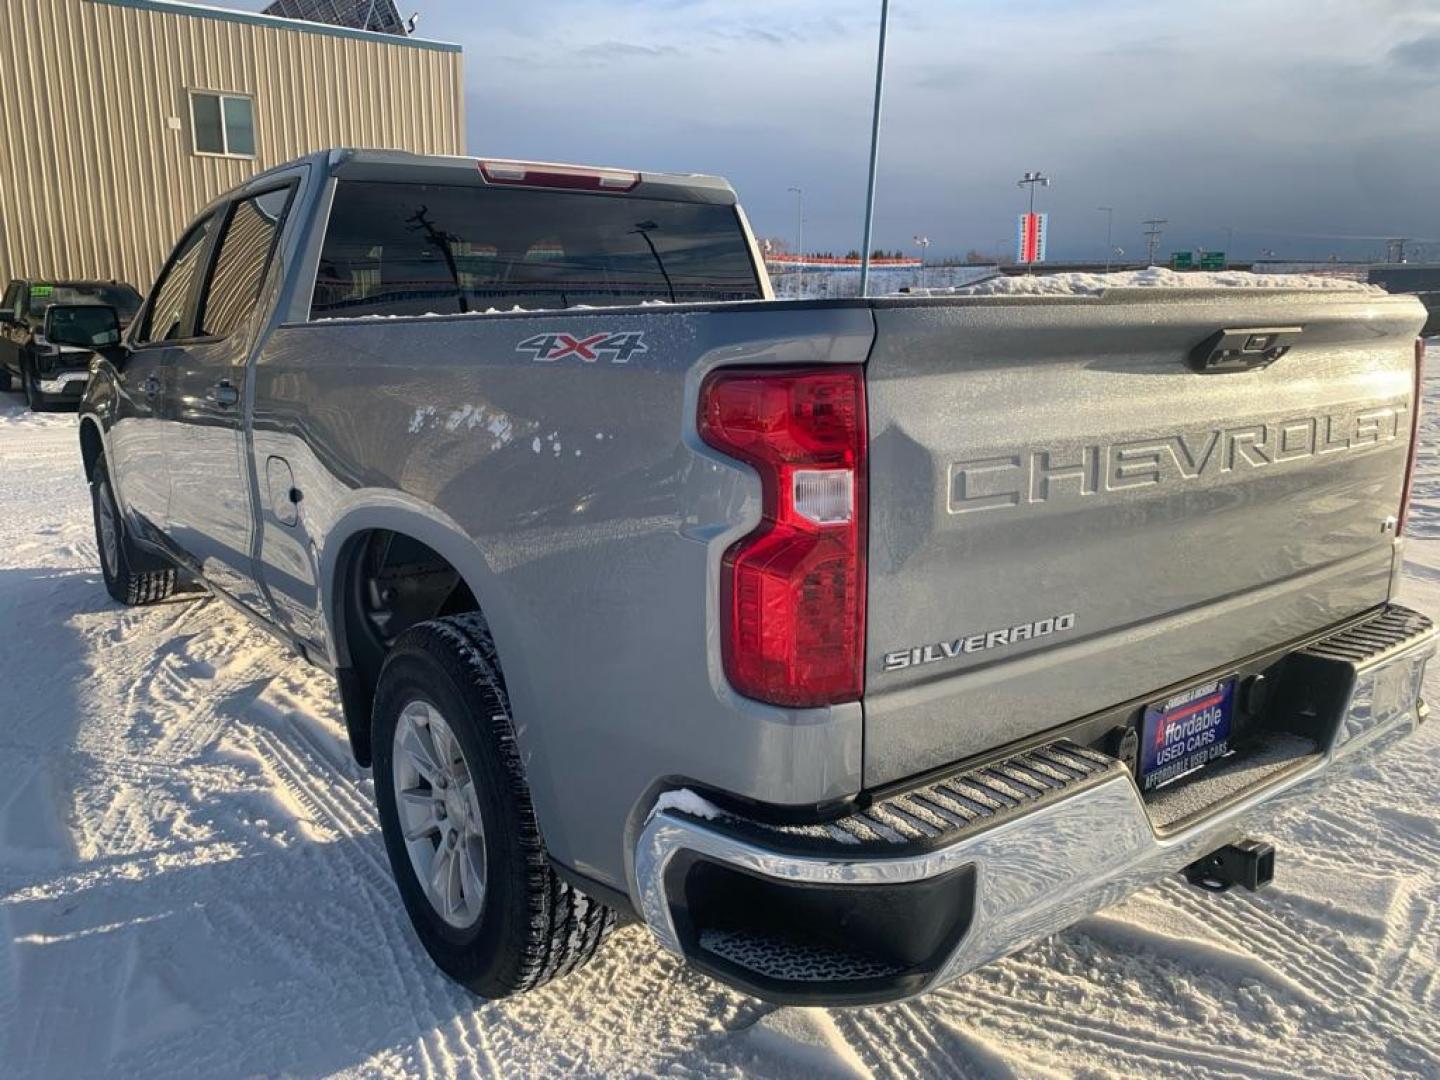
x: 223, y: 124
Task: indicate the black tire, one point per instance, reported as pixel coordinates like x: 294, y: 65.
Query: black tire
x: 120, y: 561
x: 34, y: 399
x: 532, y: 926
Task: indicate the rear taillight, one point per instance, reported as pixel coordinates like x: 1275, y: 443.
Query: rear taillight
x: 528, y: 174
x: 793, y: 591
x: 1416, y: 398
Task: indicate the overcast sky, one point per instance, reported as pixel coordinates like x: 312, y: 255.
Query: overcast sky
x: 1295, y: 122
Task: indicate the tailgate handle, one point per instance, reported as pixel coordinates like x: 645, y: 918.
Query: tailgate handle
x: 1243, y: 349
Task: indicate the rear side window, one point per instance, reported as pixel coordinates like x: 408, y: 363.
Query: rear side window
x: 245, y: 250
x: 169, y: 315
x: 411, y: 249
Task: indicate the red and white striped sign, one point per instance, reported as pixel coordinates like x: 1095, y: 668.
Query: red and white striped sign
x: 1030, y: 238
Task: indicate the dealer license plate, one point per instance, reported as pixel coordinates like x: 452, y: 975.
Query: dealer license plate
x: 1185, y: 731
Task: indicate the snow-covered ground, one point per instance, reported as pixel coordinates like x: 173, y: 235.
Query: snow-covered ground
x: 192, y: 883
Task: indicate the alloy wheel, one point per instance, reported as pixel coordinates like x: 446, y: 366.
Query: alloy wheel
x: 439, y: 814
x: 109, y: 528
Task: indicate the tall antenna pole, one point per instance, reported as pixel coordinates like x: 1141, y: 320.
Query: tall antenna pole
x: 799, y: 240
x: 1153, y: 232
x: 874, y: 151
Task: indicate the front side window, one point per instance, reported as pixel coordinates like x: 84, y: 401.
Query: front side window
x: 10, y: 305
x: 223, y: 124
x: 245, y: 249
x: 414, y: 249
x: 171, y: 300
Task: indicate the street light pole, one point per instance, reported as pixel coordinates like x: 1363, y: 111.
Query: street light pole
x: 799, y: 240
x: 1030, y: 180
x: 1109, y: 212
x: 923, y: 243
x: 874, y: 150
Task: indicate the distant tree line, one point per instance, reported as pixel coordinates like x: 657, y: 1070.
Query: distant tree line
x: 776, y: 245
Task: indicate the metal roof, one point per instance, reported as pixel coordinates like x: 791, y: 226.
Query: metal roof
x: 380, y: 16
x: 204, y: 11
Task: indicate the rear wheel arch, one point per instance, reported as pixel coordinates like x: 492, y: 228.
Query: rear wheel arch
x: 437, y: 569
x: 92, y: 446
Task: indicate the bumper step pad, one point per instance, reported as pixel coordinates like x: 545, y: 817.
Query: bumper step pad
x: 788, y: 961
x: 1378, y: 638
x: 943, y: 811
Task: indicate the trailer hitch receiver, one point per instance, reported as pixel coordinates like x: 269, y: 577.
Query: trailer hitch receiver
x: 1250, y: 863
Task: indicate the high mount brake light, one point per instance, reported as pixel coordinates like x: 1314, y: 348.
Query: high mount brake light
x: 793, y: 591
x: 1416, y: 398
x: 525, y: 174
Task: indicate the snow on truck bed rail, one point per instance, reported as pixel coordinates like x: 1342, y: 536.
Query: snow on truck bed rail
x: 1156, y: 277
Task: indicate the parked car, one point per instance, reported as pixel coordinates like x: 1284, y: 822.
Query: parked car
x: 849, y: 645
x: 48, y: 373
x: 1422, y: 282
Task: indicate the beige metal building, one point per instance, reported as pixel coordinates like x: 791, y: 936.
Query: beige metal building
x: 119, y: 119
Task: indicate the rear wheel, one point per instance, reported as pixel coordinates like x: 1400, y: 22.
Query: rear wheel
x: 458, y: 822
x: 119, y: 558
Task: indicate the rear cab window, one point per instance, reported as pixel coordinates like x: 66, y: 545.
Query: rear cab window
x: 417, y: 249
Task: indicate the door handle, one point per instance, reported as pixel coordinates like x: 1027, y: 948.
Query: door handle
x: 224, y: 394
x: 151, y: 386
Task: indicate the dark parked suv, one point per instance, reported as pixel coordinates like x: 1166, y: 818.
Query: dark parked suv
x: 51, y: 374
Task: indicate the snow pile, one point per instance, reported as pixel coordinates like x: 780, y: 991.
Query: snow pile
x: 687, y: 802
x: 1154, y: 277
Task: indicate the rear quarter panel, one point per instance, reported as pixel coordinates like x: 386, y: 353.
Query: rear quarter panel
x: 588, y: 520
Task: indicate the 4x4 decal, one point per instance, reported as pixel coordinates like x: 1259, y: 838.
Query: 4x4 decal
x: 618, y: 348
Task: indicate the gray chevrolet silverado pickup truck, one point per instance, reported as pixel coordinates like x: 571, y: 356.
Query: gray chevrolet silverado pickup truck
x: 848, y: 645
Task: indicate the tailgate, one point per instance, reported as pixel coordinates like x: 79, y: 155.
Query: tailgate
x: 1065, y: 515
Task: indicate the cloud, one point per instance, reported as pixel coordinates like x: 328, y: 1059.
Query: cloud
x: 1421, y: 53
x: 625, y: 50
x: 1299, y: 116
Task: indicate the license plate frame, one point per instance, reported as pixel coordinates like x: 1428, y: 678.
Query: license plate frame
x: 1186, y: 731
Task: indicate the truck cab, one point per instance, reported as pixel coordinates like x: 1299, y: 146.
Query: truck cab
x: 47, y: 373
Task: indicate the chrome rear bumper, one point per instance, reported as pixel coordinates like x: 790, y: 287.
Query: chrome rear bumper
x: 1037, y: 866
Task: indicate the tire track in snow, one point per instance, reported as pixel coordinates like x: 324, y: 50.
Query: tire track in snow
x: 1401, y: 854
x: 335, y: 793
x: 279, y: 765
x: 1299, y: 960
x: 314, y: 782
x: 1272, y: 941
x: 1155, y: 1052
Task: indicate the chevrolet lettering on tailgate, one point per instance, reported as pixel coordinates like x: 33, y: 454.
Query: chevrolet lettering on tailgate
x: 1044, y: 475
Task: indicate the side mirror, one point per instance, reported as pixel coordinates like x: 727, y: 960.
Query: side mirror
x: 85, y: 326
